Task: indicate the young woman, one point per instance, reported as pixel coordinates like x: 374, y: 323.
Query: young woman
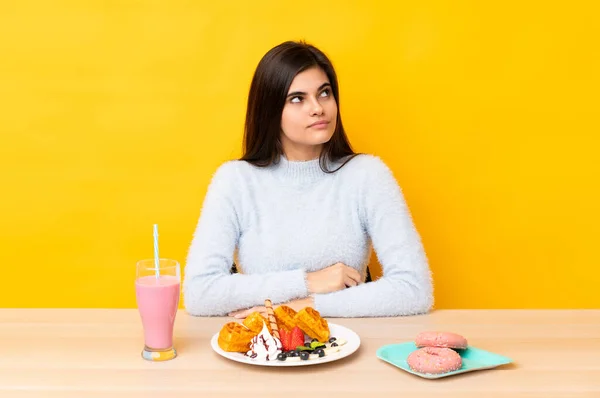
x: 301, y: 211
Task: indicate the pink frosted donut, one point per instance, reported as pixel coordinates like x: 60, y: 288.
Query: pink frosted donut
x: 434, y: 360
x: 441, y: 339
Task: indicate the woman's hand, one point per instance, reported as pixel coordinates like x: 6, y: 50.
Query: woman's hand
x: 333, y: 278
x: 242, y: 314
x: 296, y: 305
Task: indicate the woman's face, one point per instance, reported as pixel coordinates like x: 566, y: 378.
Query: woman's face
x: 309, y: 115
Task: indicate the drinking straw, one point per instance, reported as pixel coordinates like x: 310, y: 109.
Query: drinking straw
x: 156, y: 262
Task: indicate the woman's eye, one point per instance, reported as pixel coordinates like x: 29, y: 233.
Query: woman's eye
x: 297, y: 99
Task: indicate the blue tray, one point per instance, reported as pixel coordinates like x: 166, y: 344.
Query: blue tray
x: 473, y: 359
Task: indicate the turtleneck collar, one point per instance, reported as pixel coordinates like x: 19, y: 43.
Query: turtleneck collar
x: 298, y: 171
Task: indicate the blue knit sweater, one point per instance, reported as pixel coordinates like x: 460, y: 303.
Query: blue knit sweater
x: 290, y: 218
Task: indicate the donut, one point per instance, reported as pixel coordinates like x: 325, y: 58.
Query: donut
x: 441, y: 339
x: 434, y: 360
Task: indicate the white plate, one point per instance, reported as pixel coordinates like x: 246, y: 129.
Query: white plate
x: 337, y: 331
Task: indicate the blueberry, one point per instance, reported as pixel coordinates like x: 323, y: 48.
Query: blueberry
x: 314, y: 341
x: 320, y: 352
x: 331, y: 340
x: 307, y: 344
x: 304, y: 355
x: 292, y: 353
x: 334, y: 344
x: 281, y: 356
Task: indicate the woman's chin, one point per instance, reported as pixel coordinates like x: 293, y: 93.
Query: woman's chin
x: 320, y: 138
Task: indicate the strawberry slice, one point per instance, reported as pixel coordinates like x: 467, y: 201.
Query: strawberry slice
x: 296, y: 338
x: 284, y: 336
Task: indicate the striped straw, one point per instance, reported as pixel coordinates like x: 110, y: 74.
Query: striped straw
x: 156, y: 263
x: 271, y: 318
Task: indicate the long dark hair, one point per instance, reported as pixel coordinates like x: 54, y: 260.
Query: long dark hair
x: 270, y: 84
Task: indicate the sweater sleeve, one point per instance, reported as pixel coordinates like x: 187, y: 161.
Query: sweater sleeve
x: 405, y: 287
x: 209, y: 287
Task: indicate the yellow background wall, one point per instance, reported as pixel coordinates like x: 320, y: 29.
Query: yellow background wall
x: 114, y: 115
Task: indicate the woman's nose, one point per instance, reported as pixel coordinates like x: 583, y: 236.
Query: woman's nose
x: 316, y: 108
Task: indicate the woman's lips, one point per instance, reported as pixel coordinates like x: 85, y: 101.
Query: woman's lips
x: 319, y: 125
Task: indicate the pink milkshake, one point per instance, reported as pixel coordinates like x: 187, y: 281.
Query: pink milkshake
x: 158, y: 300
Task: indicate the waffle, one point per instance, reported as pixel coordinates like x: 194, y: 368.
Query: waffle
x: 311, y: 323
x: 235, y: 337
x: 255, y: 322
x: 285, y: 317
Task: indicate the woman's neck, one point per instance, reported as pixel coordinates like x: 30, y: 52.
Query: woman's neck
x: 302, y: 153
